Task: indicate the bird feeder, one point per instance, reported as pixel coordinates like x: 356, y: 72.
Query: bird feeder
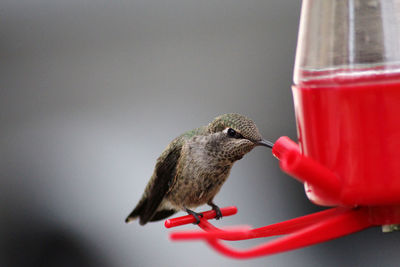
x: 347, y: 103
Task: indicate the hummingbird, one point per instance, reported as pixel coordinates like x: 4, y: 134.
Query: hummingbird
x: 194, y: 166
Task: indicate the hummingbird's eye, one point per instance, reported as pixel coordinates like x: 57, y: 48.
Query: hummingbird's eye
x: 231, y: 132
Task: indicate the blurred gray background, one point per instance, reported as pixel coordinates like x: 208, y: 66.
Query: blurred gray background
x: 92, y: 91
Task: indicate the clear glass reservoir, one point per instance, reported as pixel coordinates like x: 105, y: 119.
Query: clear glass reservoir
x: 347, y: 41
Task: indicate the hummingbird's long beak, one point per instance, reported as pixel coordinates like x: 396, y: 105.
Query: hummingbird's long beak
x: 264, y: 142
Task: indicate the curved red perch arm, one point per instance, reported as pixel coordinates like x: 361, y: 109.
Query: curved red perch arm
x: 282, y: 228
x: 303, y: 231
x: 342, y: 224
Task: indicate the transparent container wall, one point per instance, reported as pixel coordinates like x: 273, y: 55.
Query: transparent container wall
x: 347, y: 41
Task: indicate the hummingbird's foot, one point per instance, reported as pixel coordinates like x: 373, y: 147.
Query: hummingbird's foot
x: 195, y: 215
x: 217, y: 210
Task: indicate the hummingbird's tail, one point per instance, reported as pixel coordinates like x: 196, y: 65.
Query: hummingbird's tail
x: 137, y: 211
x: 140, y: 209
x: 131, y: 217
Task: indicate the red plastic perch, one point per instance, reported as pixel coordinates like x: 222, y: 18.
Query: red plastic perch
x: 241, y: 233
x: 227, y: 211
x: 303, y: 231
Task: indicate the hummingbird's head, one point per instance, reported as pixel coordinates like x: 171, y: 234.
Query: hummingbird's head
x: 237, y: 135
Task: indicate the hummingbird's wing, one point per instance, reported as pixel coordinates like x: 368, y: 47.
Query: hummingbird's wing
x: 162, y: 180
x: 164, y: 174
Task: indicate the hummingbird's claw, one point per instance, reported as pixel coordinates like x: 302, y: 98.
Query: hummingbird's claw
x: 195, y: 215
x: 217, y: 211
